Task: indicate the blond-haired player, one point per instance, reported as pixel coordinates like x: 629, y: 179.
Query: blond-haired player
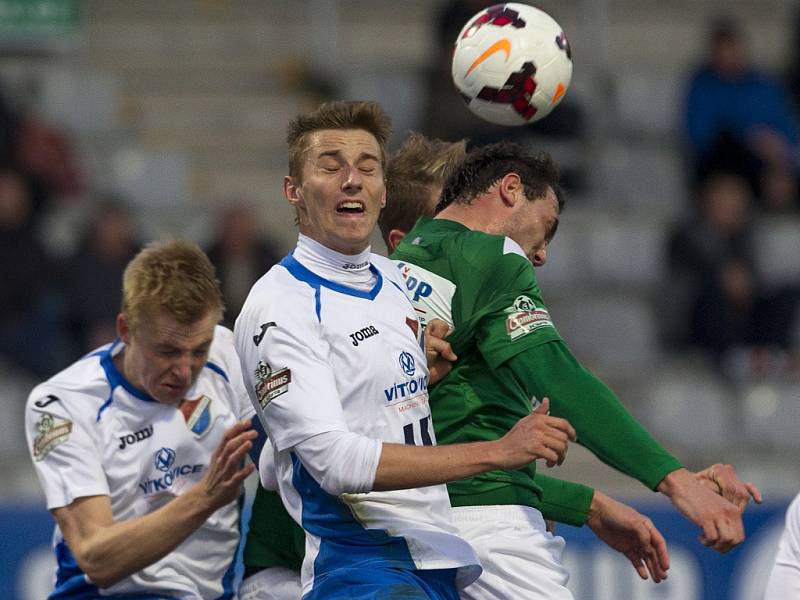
x: 139, y: 444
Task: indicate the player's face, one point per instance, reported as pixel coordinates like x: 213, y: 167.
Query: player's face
x: 534, y: 225
x: 342, y: 189
x: 164, y: 357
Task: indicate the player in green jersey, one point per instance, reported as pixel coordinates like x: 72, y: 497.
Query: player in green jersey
x: 275, y: 543
x: 471, y: 266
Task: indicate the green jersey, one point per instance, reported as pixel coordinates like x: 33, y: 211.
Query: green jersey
x: 510, y: 354
x: 273, y: 538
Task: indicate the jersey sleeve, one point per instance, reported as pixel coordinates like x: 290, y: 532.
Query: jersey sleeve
x: 504, y: 309
x: 564, y: 501
x: 63, y: 448
x: 289, y: 381
x: 603, y: 424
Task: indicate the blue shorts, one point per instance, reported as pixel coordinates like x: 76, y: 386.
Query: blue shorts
x: 384, y: 583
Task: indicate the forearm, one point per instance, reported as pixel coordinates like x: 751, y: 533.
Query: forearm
x: 122, y: 548
x: 404, y: 466
x: 603, y: 424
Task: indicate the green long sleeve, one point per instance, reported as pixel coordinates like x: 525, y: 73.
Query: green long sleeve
x: 603, y: 424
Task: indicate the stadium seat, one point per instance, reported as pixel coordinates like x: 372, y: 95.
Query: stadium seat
x: 83, y: 101
x: 647, y: 104
x: 610, y: 329
x: 626, y: 252
x: 641, y: 179
x: 771, y: 414
x: 687, y: 407
x: 777, y: 247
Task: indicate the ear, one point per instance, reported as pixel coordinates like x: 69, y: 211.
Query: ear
x: 123, y: 328
x: 383, y: 198
x: 291, y: 189
x: 395, y: 237
x: 511, y: 189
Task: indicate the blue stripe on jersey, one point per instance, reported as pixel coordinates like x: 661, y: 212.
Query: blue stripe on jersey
x: 344, y: 542
x: 230, y: 574
x: 301, y: 273
x: 71, y: 582
x: 370, y: 583
x: 218, y: 370
x: 116, y: 378
x: 258, y: 443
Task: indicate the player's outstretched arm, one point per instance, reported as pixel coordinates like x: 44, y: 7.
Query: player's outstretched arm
x: 536, y: 436
x: 631, y: 533
x: 723, y: 480
x: 108, y: 551
x: 719, y: 520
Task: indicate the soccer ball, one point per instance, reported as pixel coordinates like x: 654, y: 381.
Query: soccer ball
x: 512, y: 64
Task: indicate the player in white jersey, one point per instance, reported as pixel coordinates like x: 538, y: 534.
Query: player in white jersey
x: 784, y: 580
x: 139, y: 445
x: 332, y: 355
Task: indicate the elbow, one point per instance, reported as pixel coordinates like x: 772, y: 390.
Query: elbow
x: 99, y: 569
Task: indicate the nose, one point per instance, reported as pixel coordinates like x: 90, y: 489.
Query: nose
x: 182, y: 370
x: 539, y: 257
x: 353, y: 180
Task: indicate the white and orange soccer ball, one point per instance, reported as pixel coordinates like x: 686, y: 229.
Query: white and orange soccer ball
x: 512, y: 64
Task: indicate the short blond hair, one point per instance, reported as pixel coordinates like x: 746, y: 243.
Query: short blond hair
x: 350, y: 114
x: 175, y: 276
x: 420, y: 165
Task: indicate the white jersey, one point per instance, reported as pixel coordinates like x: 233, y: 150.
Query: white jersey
x: 784, y: 580
x: 319, y: 356
x: 90, y: 433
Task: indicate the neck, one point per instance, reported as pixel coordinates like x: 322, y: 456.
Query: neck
x: 348, y: 269
x: 472, y: 216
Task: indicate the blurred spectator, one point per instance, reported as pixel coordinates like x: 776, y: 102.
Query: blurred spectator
x: 30, y: 333
x: 737, y: 118
x: 94, y: 275
x: 40, y: 152
x: 778, y: 189
x: 240, y: 254
x: 712, y: 267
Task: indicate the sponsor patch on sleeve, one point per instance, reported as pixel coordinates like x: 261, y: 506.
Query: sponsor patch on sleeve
x: 525, y: 317
x: 271, y: 384
x: 52, y: 432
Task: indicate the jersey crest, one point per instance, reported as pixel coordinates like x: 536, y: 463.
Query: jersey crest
x: 525, y: 317
x: 197, y: 414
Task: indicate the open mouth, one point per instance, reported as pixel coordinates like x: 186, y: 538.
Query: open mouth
x: 351, y: 207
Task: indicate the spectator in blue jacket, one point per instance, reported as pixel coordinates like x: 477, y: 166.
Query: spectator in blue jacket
x: 737, y: 118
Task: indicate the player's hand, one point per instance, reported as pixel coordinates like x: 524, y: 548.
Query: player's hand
x: 222, y: 482
x: 438, y: 352
x: 631, y: 533
x: 537, y: 436
x: 723, y: 480
x: 719, y: 520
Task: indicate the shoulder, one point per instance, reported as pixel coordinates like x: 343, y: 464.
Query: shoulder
x: 486, y: 252
x: 222, y: 356
x: 79, y: 390
x: 279, y: 292
x: 387, y: 268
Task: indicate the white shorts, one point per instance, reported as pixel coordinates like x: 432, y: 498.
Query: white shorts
x: 275, y: 583
x: 520, y: 558
x: 784, y: 580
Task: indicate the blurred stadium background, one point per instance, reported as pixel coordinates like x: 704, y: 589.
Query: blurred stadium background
x: 177, y: 109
